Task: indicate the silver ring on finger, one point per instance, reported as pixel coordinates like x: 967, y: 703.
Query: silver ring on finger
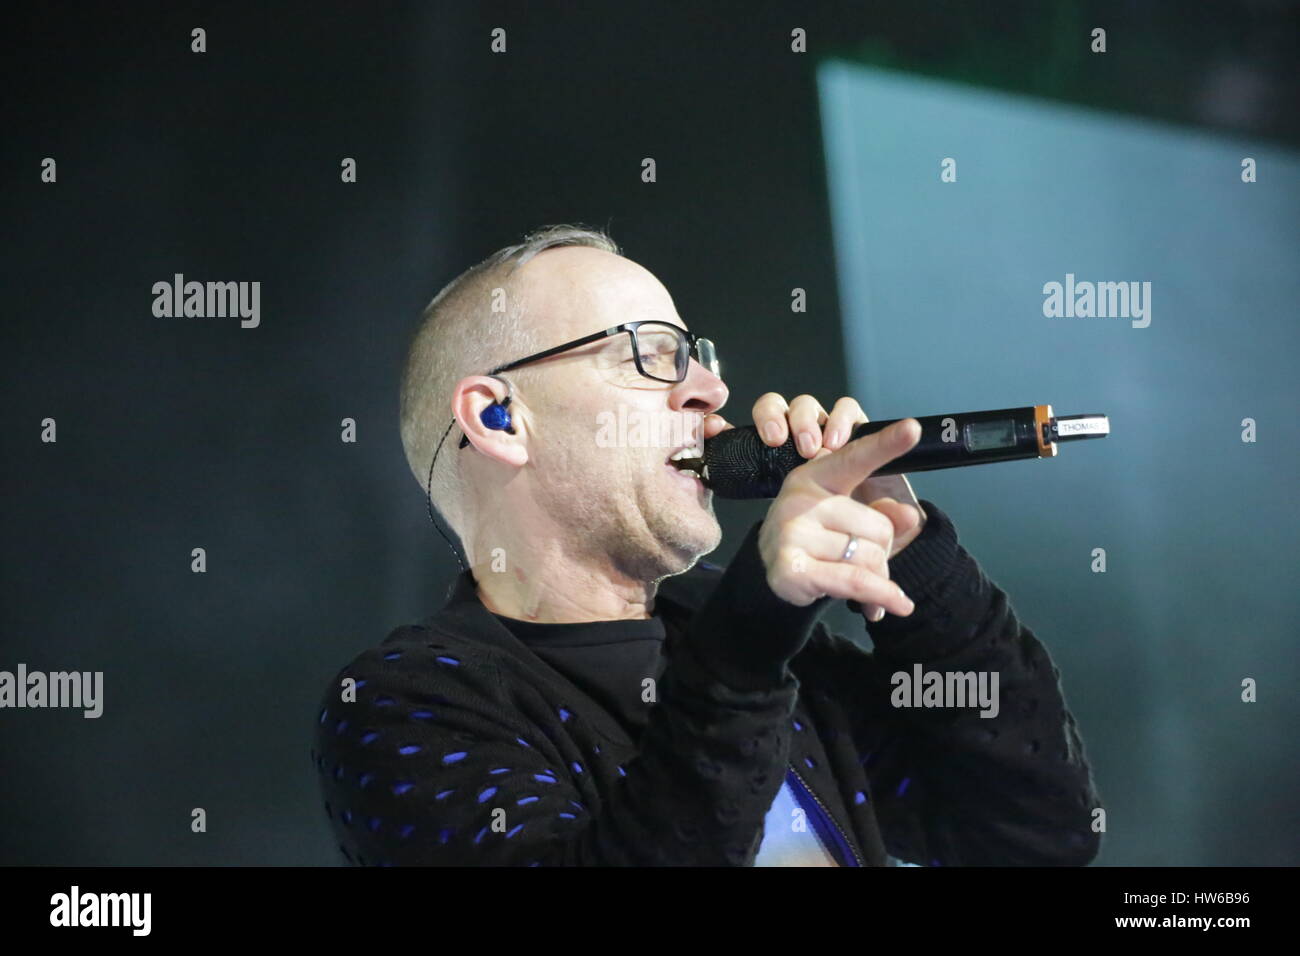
x: 852, y: 547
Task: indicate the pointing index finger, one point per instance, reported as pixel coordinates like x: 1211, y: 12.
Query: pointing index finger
x: 843, y: 470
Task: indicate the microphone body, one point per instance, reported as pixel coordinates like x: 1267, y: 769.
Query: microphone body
x: 737, y: 463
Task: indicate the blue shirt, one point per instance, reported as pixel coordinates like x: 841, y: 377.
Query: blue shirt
x: 789, y: 836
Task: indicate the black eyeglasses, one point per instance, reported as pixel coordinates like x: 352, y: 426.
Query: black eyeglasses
x: 662, y: 351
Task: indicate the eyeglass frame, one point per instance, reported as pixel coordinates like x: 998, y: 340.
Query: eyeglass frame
x: 692, y: 350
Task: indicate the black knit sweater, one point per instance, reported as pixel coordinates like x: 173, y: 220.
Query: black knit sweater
x: 460, y: 745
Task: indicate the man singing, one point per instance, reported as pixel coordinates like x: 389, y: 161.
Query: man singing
x: 592, y: 694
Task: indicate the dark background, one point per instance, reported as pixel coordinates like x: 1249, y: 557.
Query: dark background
x: 183, y: 433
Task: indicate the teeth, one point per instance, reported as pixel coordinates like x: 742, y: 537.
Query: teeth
x: 687, y: 453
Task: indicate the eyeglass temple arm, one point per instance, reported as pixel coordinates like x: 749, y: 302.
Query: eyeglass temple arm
x: 547, y: 353
x: 691, y: 338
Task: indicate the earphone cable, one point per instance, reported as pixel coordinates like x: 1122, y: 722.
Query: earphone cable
x: 428, y: 497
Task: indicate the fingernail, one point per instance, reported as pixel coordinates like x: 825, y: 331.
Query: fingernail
x: 773, y: 431
x: 879, y: 614
x: 833, y: 438
x: 806, y: 443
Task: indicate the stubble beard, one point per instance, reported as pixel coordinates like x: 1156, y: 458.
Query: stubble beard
x: 623, y: 511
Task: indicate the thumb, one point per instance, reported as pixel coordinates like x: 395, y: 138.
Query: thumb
x: 904, y: 516
x: 715, y: 423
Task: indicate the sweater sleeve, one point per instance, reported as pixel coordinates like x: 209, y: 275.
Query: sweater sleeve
x: 459, y: 759
x: 949, y: 786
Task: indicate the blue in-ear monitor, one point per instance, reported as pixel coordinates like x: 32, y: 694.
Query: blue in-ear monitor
x: 497, y: 417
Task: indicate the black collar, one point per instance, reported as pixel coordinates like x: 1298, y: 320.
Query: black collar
x: 677, y: 599
x: 464, y: 617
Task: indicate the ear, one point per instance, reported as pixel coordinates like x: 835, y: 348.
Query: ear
x: 472, y: 396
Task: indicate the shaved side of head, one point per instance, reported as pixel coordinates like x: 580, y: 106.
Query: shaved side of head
x: 476, y: 322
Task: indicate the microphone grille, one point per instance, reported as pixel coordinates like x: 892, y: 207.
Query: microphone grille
x: 742, y: 466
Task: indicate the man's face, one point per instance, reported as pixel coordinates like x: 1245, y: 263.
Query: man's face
x: 602, y: 434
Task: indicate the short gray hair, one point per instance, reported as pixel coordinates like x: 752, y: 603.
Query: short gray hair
x: 466, y: 330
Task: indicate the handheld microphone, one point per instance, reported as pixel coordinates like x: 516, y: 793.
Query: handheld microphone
x: 738, y: 464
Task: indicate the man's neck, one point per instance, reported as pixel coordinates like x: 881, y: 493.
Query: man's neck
x: 550, y: 588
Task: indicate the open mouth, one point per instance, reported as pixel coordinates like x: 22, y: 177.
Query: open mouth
x: 690, y: 460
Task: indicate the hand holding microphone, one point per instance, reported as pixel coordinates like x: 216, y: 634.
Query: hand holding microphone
x: 817, y: 541
x: 817, y: 433
x: 759, y: 461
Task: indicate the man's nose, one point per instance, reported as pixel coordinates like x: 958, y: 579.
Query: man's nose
x: 701, y: 391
